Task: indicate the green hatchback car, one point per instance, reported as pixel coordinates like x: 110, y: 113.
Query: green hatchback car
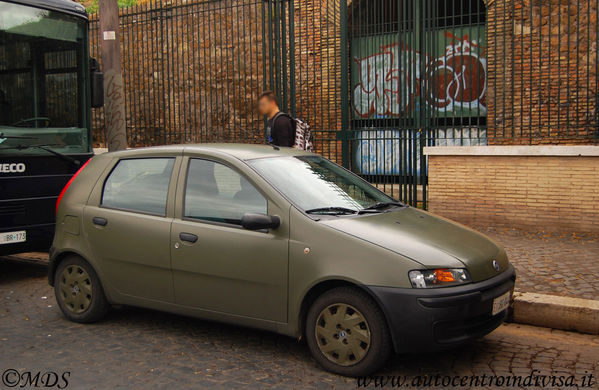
x: 276, y: 239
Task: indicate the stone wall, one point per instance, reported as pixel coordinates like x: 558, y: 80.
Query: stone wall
x: 542, y: 72
x: 193, y: 69
x: 539, y: 188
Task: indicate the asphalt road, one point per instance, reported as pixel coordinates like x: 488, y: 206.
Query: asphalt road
x: 135, y: 348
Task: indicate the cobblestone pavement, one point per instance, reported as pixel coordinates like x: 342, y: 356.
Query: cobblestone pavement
x: 552, y: 264
x: 134, y: 348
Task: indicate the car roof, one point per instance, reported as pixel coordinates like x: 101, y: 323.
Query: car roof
x: 67, y: 6
x: 239, y: 151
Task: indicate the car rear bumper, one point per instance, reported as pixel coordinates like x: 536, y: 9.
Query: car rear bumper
x: 429, y: 319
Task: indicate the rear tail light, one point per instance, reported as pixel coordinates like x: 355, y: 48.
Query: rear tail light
x: 69, y: 183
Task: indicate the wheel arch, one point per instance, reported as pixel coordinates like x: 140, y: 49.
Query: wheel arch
x: 326, y: 285
x: 58, y: 258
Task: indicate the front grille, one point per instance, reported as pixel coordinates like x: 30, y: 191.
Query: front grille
x: 12, y: 208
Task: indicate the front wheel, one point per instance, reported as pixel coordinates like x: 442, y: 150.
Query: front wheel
x: 347, y: 332
x: 78, y: 291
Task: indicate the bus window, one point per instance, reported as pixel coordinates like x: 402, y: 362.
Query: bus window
x: 43, y: 81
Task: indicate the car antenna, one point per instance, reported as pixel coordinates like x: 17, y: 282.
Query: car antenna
x: 275, y: 147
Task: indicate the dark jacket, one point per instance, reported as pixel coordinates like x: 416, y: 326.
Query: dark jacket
x: 280, y: 130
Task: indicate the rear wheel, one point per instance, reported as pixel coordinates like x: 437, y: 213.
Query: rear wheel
x: 78, y: 291
x: 347, y: 332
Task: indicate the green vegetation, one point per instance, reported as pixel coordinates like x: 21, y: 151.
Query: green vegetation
x: 92, y: 6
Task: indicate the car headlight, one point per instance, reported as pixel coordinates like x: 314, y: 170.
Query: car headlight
x: 441, y: 277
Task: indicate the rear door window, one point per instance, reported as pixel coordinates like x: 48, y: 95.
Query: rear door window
x: 214, y: 192
x: 139, y: 185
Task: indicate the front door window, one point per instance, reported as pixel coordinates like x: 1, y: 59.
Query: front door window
x: 217, y: 193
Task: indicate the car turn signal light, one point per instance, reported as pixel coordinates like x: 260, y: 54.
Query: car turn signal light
x: 440, y: 277
x: 444, y: 275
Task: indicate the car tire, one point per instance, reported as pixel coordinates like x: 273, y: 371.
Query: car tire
x: 78, y: 291
x: 352, y: 342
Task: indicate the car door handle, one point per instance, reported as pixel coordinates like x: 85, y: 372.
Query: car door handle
x: 100, y: 221
x: 188, y: 237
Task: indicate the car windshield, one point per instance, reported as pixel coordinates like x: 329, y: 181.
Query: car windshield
x: 43, y: 81
x: 315, y: 184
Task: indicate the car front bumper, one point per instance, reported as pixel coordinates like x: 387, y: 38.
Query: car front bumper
x: 423, y: 320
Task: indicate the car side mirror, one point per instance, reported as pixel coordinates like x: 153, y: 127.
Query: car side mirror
x: 97, y: 84
x: 255, y: 221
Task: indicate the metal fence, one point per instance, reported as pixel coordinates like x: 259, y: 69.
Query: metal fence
x: 543, y: 72
x: 193, y: 69
x: 378, y: 80
x: 417, y: 78
x: 190, y: 70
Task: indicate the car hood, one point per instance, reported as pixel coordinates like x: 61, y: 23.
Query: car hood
x: 427, y: 239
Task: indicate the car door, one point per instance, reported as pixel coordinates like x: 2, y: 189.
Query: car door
x: 218, y: 265
x: 128, y: 227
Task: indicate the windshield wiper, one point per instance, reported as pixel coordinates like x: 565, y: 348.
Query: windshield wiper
x: 331, y: 209
x: 45, y: 147
x: 380, y: 205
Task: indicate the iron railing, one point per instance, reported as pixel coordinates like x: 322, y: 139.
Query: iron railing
x: 378, y: 80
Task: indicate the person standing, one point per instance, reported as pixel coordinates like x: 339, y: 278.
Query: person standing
x: 280, y: 127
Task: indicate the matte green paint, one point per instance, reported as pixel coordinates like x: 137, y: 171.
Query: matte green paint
x: 252, y: 278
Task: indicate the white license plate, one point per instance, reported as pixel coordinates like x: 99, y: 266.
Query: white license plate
x: 13, y: 237
x: 501, y: 303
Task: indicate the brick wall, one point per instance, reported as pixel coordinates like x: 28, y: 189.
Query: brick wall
x: 542, y: 81
x: 192, y: 71
x: 540, y: 188
x: 194, y: 68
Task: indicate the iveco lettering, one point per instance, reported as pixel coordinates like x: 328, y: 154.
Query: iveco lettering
x: 12, y: 168
x: 276, y: 239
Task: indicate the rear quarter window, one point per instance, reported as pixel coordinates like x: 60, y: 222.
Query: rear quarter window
x: 139, y: 185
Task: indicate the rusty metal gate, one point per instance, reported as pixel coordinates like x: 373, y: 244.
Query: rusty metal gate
x: 417, y: 78
x: 356, y: 73
x: 193, y: 69
x: 378, y: 80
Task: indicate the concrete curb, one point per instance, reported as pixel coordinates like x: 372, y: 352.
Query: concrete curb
x: 556, y: 312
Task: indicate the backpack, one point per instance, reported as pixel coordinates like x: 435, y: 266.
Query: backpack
x: 303, y: 134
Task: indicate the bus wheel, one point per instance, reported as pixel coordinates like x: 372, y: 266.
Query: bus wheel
x: 78, y: 291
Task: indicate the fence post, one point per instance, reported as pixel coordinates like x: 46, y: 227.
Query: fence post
x: 265, y: 16
x: 345, y: 98
x: 291, y: 26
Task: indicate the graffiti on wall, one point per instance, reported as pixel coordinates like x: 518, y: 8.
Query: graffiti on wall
x: 387, y: 152
x: 390, y: 79
x: 395, y: 152
x: 453, y: 81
